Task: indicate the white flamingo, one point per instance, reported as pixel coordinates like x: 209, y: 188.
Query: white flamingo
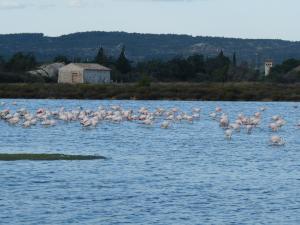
x: 165, y: 125
x: 224, y: 121
x: 14, y: 120
x: 249, y: 128
x: 218, y: 109
x: 26, y: 124
x: 277, y: 140
x: 148, y: 122
x: 274, y: 127
x: 228, y: 134
x: 49, y: 123
x: 196, y: 110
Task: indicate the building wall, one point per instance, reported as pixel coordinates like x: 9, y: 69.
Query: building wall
x: 96, y: 77
x: 70, y: 75
x: 268, y: 67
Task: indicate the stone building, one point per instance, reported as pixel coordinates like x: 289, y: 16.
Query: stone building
x: 90, y: 73
x: 48, y: 70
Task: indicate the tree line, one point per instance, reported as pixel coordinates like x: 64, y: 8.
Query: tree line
x: 195, y: 68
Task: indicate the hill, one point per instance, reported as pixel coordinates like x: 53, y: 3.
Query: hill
x: 145, y: 46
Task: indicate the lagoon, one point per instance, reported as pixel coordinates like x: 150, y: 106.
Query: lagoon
x: 187, y: 174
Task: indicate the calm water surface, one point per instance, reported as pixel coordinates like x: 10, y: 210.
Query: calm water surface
x: 188, y: 174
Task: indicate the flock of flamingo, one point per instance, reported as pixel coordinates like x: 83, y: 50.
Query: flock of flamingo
x: 166, y: 117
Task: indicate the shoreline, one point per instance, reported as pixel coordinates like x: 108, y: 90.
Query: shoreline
x: 245, y: 91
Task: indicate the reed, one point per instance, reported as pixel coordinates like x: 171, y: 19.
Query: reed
x: 244, y: 91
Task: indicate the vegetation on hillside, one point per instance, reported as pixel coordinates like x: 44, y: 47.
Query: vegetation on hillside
x: 146, y: 46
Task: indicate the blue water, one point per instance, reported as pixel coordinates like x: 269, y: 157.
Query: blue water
x: 188, y: 174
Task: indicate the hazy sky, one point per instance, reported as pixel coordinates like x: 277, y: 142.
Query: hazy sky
x: 229, y: 18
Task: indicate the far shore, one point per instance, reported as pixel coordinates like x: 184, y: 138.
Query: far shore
x: 245, y: 91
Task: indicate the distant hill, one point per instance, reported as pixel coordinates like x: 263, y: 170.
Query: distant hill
x: 146, y: 46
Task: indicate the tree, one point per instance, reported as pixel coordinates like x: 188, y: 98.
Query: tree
x: 234, y: 60
x: 77, y: 59
x: 123, y: 64
x: 21, y: 63
x: 218, y: 67
x: 286, y: 66
x: 61, y: 59
x: 197, y: 62
x: 287, y: 72
x: 101, y: 57
x: 180, y: 69
x: 2, y: 63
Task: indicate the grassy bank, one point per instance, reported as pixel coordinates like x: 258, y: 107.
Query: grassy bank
x: 156, y: 91
x: 46, y: 157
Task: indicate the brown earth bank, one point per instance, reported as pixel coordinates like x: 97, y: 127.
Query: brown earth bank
x: 156, y: 91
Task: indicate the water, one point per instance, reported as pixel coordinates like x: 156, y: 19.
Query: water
x: 188, y: 174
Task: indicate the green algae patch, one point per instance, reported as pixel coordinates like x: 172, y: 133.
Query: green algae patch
x: 47, y: 157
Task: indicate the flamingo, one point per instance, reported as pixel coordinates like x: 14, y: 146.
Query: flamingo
x: 8, y: 116
x: 165, y: 125
x: 280, y: 122
x: 224, y: 121
x: 257, y: 114
x: 228, y: 134
x: 4, y: 112
x: 14, y: 120
x: 188, y: 118
x: 94, y: 121
x: 196, y: 110
x: 48, y: 122
x: 249, y: 128
x: 27, y: 124
x: 117, y: 118
x: 148, y: 122
x: 171, y: 117
x: 174, y: 110
x: 196, y: 115
x: 277, y: 140
x: 276, y: 117
x: 213, y: 115
x: 33, y: 121
x: 179, y: 118
x: 40, y: 111
x: 86, y: 123
x: 218, y: 109
x: 235, y: 126
x: 115, y: 107
x: 274, y: 127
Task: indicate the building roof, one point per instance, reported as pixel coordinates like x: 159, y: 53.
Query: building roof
x: 91, y: 66
x: 48, y: 70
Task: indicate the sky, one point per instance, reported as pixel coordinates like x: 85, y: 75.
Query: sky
x: 276, y: 19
